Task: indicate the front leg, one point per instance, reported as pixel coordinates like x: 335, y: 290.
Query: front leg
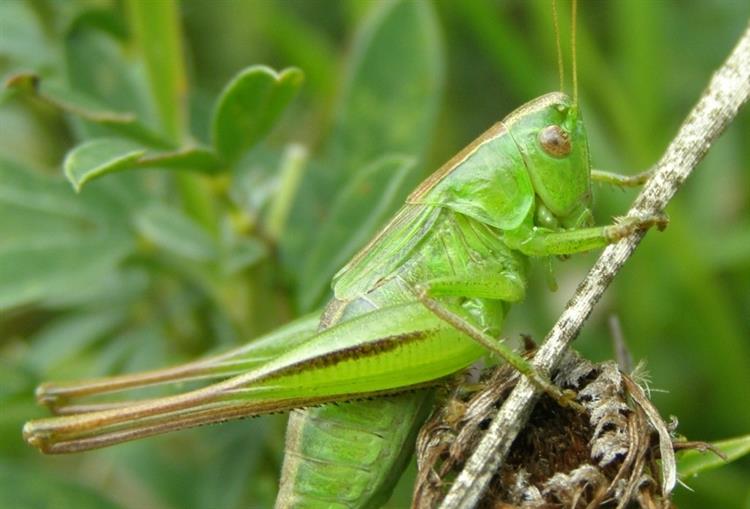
x: 543, y: 242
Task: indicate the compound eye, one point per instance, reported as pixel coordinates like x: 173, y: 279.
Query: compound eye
x: 555, y: 141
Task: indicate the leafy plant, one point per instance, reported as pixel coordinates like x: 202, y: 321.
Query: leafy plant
x: 163, y: 195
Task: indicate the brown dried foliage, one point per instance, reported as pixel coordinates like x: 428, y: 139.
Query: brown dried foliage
x: 605, y: 457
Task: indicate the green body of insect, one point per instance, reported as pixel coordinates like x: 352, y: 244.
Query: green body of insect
x: 452, y: 236
x: 463, y: 238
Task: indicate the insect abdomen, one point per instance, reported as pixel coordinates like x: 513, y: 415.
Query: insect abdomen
x: 335, y: 453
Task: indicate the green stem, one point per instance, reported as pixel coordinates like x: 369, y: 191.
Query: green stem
x: 292, y: 169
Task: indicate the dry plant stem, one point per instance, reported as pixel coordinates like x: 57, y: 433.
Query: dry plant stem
x: 728, y: 90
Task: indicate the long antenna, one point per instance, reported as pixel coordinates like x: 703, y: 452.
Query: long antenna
x: 560, y: 67
x: 574, y: 67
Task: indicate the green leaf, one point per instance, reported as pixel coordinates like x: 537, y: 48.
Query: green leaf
x: 118, y: 288
x: 249, y: 106
x: 393, y: 86
x: 291, y: 170
x: 100, y: 18
x: 14, y: 380
x: 48, y: 269
x: 505, y: 42
x: 20, y: 225
x: 85, y: 107
x: 21, y: 188
x: 65, y: 338
x: 33, y: 488
x: 23, y: 136
x: 226, y: 480
x: 16, y: 387
x: 99, y: 66
x: 188, y: 158
x: 22, y: 38
x: 174, y: 231
x: 300, y: 42
x: 366, y: 202
x: 102, y: 156
x: 693, y: 462
x: 48, y: 207
x: 99, y: 157
x: 245, y: 253
x: 156, y: 26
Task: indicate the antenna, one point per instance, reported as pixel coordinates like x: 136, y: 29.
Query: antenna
x: 574, y: 68
x: 573, y: 57
x: 560, y: 67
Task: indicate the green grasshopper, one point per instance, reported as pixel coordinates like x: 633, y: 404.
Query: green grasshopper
x: 423, y: 300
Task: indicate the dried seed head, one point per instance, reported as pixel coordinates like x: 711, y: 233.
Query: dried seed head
x: 562, y: 458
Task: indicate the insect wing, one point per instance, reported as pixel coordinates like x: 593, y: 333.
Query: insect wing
x: 390, y: 248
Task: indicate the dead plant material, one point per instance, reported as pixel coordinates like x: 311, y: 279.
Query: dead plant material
x: 616, y: 454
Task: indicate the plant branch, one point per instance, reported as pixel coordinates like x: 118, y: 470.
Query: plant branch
x: 727, y: 91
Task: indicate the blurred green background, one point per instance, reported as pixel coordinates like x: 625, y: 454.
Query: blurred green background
x: 158, y: 263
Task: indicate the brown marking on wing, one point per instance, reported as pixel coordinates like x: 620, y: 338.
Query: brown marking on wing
x: 386, y: 344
